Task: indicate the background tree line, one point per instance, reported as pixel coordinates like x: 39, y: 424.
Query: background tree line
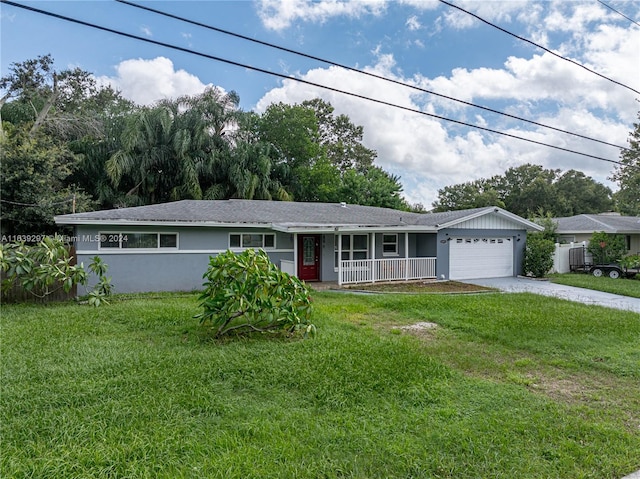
x: 70, y: 144
x: 528, y: 190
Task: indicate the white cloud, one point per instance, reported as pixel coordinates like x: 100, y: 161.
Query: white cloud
x: 146, y: 30
x: 147, y: 81
x: 280, y: 14
x: 492, y: 11
x: 413, y: 23
x: 429, y: 154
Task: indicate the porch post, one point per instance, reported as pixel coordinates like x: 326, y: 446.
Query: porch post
x: 339, y: 257
x: 295, y: 255
x: 406, y: 256
x: 373, y: 257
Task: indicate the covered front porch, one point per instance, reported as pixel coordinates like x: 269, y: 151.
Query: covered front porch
x: 348, y: 255
x: 389, y: 267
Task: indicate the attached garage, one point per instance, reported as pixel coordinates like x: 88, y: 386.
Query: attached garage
x: 471, y: 258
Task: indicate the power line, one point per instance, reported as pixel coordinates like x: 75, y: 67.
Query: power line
x: 619, y: 13
x: 373, y: 75
x: 36, y: 205
x: 300, y: 80
x: 539, y: 46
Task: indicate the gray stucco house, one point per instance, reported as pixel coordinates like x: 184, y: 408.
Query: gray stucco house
x: 166, y: 247
x: 579, y: 228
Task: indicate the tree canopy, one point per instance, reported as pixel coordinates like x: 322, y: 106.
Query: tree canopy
x: 627, y: 175
x: 72, y: 145
x: 526, y: 190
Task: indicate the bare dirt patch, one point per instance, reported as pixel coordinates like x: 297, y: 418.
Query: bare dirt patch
x: 438, y: 287
x: 424, y: 330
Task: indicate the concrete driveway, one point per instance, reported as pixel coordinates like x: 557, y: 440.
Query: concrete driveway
x: 547, y: 288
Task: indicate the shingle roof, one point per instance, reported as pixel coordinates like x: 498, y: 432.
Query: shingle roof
x: 255, y: 212
x: 604, y: 222
x: 249, y: 212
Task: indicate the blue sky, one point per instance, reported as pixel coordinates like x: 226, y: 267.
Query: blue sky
x: 420, y: 42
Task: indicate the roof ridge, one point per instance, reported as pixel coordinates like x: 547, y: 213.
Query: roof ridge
x: 590, y: 216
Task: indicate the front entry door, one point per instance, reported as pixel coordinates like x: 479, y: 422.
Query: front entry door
x: 309, y: 257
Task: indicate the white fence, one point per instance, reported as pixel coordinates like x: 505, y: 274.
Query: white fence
x: 396, y: 269
x: 561, y: 256
x: 287, y: 266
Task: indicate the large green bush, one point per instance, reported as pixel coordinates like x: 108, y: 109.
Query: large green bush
x: 46, y: 267
x: 538, y: 255
x: 247, y: 292
x: 606, y: 248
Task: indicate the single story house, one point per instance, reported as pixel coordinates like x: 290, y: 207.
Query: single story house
x: 166, y: 247
x: 579, y: 228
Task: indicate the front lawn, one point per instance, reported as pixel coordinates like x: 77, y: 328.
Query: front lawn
x: 502, y: 387
x: 623, y: 286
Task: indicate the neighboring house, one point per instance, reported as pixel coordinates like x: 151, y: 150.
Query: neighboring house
x: 166, y: 247
x: 579, y: 228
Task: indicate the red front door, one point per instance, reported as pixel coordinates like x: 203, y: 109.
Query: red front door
x: 309, y: 257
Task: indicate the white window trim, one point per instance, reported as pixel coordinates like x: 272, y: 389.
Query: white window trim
x: 121, y: 234
x: 350, y: 250
x: 242, y: 248
x: 394, y: 253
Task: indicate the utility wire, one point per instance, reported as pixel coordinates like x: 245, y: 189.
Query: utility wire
x: 346, y: 67
x: 300, y: 80
x: 36, y: 205
x: 539, y: 46
x: 619, y: 13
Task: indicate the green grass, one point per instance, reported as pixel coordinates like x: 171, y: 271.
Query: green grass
x: 623, y: 286
x: 505, y: 387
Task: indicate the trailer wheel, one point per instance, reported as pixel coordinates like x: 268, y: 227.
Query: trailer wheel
x: 614, y: 273
x: 597, y: 272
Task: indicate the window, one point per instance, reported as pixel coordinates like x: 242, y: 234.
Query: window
x: 390, y: 245
x: 353, y: 247
x: 116, y: 240
x: 252, y: 240
x: 140, y: 240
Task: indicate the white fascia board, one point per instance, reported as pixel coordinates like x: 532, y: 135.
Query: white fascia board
x: 96, y: 222
x: 591, y: 231
x: 352, y: 229
x: 494, y: 209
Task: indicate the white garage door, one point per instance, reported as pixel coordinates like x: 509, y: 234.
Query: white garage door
x: 471, y: 258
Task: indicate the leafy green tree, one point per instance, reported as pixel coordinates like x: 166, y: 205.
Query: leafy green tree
x: 373, y: 187
x: 321, y: 157
x: 578, y: 194
x: 627, y: 175
x: 340, y: 138
x: 294, y: 131
x: 33, y: 175
x: 474, y: 194
x: 527, y: 189
x: 64, y: 103
x: 545, y: 219
x: 246, y: 292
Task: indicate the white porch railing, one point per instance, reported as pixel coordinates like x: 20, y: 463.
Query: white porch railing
x: 396, y: 269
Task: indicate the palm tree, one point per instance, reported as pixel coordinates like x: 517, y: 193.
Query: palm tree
x: 146, y: 156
